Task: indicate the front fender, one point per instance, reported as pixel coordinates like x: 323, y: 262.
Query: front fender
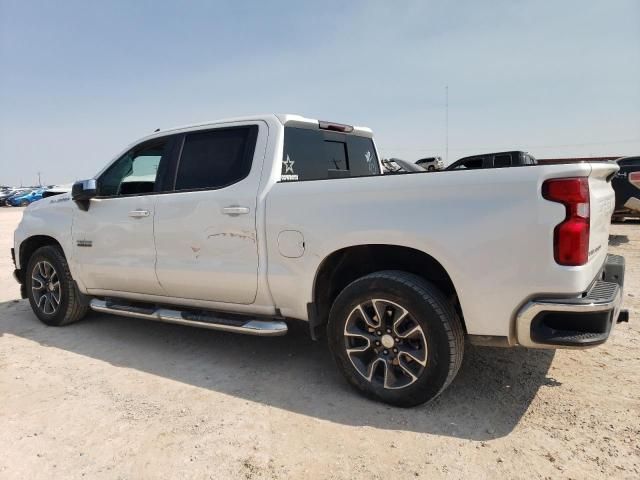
x: 50, y: 217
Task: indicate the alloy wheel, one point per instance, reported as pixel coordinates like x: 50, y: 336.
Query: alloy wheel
x: 45, y: 287
x: 385, y: 344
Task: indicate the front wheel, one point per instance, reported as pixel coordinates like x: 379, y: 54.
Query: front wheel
x: 24, y: 203
x: 431, y: 168
x: 53, y: 295
x: 396, y: 338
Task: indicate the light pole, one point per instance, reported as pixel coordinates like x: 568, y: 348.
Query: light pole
x: 446, y: 124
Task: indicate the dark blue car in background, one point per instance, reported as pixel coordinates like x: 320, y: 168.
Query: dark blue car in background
x: 24, y: 199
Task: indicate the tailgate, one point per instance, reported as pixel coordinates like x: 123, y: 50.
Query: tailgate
x: 602, y: 198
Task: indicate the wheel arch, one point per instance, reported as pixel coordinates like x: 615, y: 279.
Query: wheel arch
x: 345, y: 265
x: 30, y: 244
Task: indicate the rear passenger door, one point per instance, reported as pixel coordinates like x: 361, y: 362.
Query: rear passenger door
x: 205, y: 229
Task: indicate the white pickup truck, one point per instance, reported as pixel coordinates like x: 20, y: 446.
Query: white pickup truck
x: 242, y: 224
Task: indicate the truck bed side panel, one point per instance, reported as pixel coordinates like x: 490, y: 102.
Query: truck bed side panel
x: 491, y: 230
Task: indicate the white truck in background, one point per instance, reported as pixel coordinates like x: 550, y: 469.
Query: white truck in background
x: 239, y: 225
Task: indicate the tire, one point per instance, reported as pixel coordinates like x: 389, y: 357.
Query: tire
x: 431, y: 168
x: 433, y: 357
x: 24, y: 203
x: 62, y: 306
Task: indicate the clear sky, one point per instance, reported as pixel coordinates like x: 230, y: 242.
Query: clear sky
x: 79, y: 80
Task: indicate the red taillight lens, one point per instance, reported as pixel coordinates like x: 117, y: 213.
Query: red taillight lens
x: 571, y: 237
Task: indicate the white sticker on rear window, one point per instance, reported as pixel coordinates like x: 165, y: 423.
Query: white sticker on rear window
x: 370, y: 164
x: 288, y: 174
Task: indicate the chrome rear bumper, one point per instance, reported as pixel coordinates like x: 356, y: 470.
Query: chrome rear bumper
x: 576, y: 322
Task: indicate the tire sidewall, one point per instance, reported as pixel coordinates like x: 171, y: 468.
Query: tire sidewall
x: 48, y: 254
x: 436, y: 372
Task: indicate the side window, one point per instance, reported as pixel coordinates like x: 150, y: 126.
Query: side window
x: 501, y: 161
x: 472, y: 163
x: 630, y: 162
x: 216, y: 158
x: 317, y: 155
x: 134, y: 173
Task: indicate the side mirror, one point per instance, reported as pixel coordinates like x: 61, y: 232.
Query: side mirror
x: 82, y: 192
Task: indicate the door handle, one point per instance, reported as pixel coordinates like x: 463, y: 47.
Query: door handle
x: 139, y: 213
x: 235, y: 210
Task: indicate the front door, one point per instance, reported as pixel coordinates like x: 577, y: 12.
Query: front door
x: 205, y: 230
x: 113, y: 240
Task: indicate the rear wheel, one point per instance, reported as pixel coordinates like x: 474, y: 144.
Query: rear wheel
x: 53, y: 295
x: 396, y: 338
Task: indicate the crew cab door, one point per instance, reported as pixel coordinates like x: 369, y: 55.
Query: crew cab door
x: 205, y: 230
x: 113, y: 240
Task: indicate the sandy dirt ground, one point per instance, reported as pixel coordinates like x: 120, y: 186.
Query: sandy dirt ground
x: 119, y: 398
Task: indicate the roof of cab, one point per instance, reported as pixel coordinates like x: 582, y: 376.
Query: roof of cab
x: 287, y: 119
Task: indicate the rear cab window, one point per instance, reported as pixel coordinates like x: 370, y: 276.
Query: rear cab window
x: 311, y: 154
x: 502, y: 160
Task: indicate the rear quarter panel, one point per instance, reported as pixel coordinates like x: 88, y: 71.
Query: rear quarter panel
x: 490, y: 229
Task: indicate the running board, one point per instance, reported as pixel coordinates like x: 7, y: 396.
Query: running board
x: 235, y: 324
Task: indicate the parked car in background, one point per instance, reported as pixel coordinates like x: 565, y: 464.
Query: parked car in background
x: 397, y: 165
x: 626, y: 184
x: 26, y: 198
x: 8, y: 194
x: 56, y: 190
x: 494, y: 160
x: 4, y: 195
x: 431, y: 164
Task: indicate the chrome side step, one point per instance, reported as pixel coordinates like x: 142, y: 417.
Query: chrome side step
x: 235, y: 324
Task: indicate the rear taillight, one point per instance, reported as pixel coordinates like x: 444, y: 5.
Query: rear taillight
x: 634, y: 179
x: 571, y: 237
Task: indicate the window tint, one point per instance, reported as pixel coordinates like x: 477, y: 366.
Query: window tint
x: 501, y: 161
x: 316, y: 155
x: 630, y: 162
x: 469, y: 164
x: 363, y: 160
x: 135, y: 172
x: 336, y: 154
x: 216, y: 158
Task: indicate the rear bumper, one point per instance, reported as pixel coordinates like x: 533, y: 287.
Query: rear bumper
x: 575, y: 322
